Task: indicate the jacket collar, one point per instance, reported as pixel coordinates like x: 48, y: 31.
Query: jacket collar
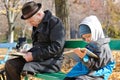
x: 47, y: 16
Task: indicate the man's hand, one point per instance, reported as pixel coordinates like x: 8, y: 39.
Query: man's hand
x: 80, y: 52
x: 28, y: 56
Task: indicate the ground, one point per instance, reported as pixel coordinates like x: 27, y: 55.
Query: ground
x: 69, y: 63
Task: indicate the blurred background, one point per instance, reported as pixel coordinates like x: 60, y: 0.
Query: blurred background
x: 71, y: 13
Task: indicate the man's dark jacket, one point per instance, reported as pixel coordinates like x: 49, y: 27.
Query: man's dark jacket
x: 48, y: 42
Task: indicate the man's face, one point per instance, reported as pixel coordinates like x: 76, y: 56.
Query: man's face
x: 87, y: 37
x: 35, y: 19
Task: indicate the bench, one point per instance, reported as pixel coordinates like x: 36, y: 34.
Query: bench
x: 114, y: 45
x: 9, y: 47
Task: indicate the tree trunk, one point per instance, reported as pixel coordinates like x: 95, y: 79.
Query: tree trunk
x: 62, y: 11
x: 13, y: 8
x: 11, y: 33
x: 11, y: 37
x: 11, y: 21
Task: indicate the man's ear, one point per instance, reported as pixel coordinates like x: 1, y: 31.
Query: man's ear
x: 39, y: 14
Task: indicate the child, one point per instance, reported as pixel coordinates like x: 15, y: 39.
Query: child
x: 91, y: 68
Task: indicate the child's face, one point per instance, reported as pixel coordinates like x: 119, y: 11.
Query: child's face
x: 87, y: 37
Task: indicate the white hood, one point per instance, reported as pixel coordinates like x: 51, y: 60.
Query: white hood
x: 95, y: 27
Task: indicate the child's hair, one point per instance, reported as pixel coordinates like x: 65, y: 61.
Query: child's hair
x: 84, y: 29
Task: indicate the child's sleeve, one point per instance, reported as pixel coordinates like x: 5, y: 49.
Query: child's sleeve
x: 101, y: 61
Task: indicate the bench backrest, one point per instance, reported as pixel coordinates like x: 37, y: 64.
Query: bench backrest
x: 8, y: 46
x: 114, y: 44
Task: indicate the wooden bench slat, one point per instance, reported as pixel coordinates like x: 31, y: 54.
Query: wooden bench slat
x: 49, y: 76
x: 8, y: 46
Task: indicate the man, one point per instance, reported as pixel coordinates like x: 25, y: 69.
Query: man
x: 48, y: 38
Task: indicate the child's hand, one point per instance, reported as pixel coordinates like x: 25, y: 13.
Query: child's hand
x: 80, y: 52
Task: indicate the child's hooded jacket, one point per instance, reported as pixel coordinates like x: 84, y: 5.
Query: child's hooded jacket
x: 99, y: 45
